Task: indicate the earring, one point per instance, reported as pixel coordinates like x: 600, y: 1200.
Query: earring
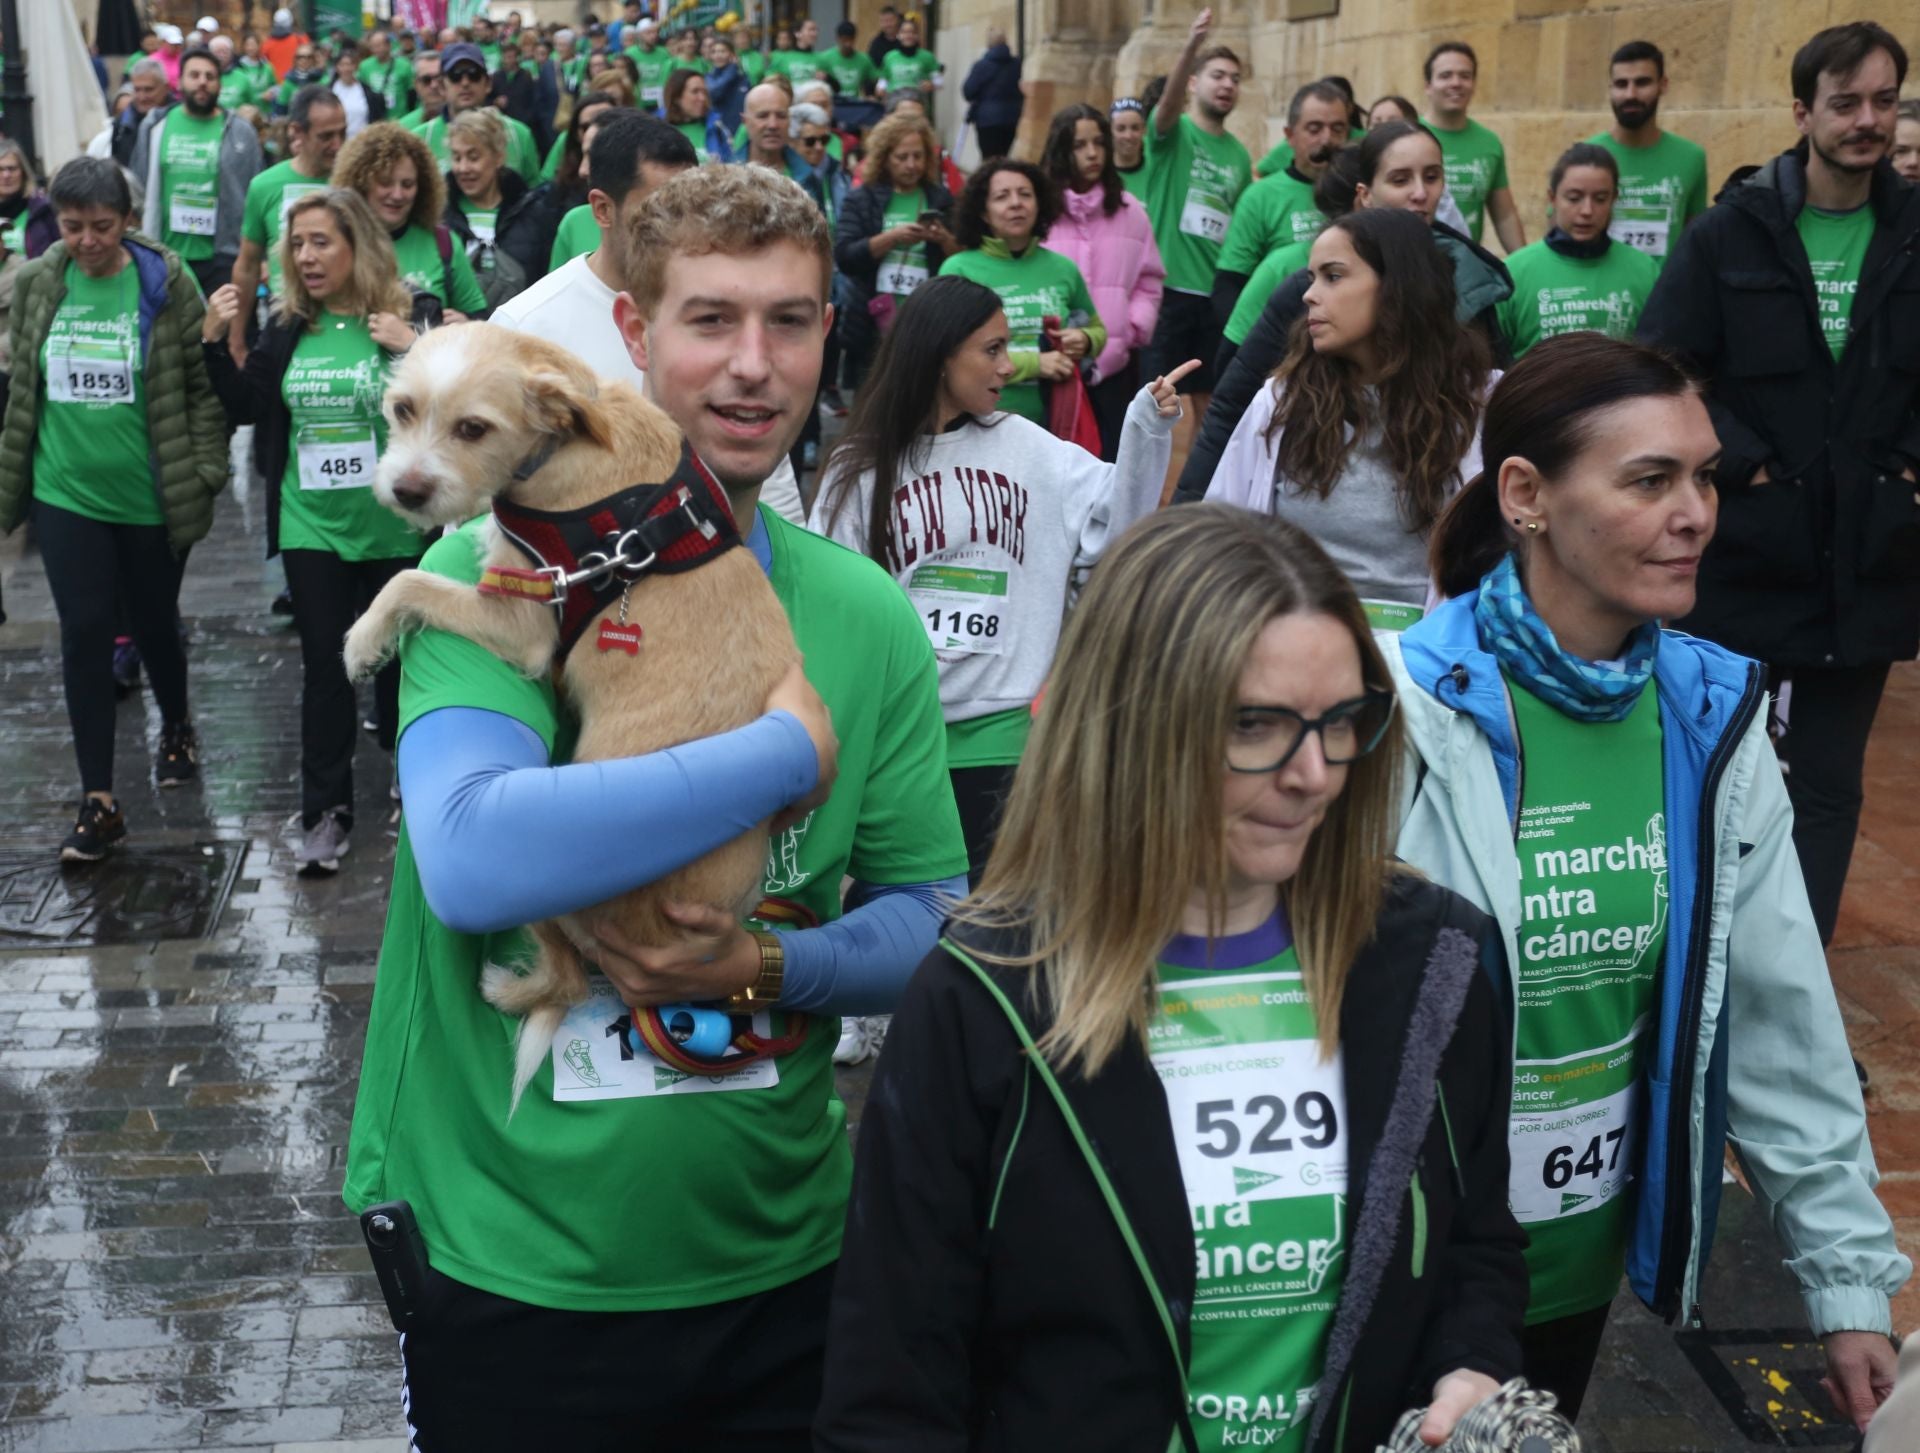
x: 1533, y: 527
x: 1516, y: 519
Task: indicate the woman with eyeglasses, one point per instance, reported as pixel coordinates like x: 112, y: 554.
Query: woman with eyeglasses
x: 1372, y: 419
x: 1192, y: 1132
x: 1606, y: 789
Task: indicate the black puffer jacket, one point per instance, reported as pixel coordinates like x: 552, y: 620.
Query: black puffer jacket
x: 1821, y: 565
x: 947, y: 1334
x: 523, y: 227
x: 1480, y: 284
x: 863, y: 215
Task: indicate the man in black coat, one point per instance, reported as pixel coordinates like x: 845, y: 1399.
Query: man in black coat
x: 994, y: 97
x: 1797, y: 299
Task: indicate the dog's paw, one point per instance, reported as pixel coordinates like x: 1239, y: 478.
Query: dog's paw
x: 367, y: 647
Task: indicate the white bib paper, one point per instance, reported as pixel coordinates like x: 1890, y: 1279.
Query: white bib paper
x: 1201, y: 218
x: 593, y: 1061
x: 1565, y: 1162
x: 963, y: 610
x: 337, y: 456
x: 86, y: 372
x: 1649, y: 237
x: 900, y: 278
x: 191, y: 219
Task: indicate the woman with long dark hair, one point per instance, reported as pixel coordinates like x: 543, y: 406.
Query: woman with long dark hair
x: 1663, y: 962
x: 567, y: 160
x: 690, y: 114
x: 1371, y: 421
x: 1106, y: 234
x: 1192, y: 1132
x: 1004, y: 215
x: 982, y: 516
x: 1400, y: 168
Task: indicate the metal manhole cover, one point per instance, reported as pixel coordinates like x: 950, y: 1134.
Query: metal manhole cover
x: 138, y: 895
x: 1769, y: 1384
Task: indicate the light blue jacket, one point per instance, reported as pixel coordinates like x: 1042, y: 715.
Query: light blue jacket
x: 1749, y: 1048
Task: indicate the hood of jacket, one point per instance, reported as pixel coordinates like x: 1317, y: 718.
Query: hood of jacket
x: 1775, y: 193
x: 153, y: 264
x: 1480, y: 279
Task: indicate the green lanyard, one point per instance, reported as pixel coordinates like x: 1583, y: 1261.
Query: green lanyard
x: 1181, y: 1441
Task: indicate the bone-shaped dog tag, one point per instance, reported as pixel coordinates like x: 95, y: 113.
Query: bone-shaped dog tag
x: 619, y: 638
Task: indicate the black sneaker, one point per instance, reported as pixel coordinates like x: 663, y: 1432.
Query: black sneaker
x: 101, y: 825
x: 126, y: 668
x: 179, y: 759
x: 282, y: 603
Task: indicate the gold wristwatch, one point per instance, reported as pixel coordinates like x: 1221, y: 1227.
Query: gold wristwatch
x: 764, y: 991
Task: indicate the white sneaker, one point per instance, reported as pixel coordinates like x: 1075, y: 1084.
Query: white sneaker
x: 324, y: 845
x: 861, y: 1038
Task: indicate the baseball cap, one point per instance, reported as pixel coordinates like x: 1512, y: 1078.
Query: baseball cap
x: 283, y: 17
x: 461, y: 50
x: 170, y: 34
x: 646, y: 22
x: 206, y: 24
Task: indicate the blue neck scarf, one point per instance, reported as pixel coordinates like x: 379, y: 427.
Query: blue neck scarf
x: 1524, y: 645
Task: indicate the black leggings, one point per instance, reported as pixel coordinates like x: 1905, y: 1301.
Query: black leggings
x: 1558, y: 1356
x: 328, y: 596
x: 91, y: 565
x: 980, y: 793
x: 1111, y: 398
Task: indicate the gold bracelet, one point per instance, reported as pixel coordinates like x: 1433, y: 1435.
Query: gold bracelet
x: 764, y: 991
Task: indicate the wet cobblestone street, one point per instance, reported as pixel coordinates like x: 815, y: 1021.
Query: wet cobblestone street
x: 176, y: 1267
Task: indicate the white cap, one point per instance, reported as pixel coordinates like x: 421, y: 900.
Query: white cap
x: 207, y: 24
x: 646, y: 22
x: 283, y: 17
x: 562, y: 36
x: 169, y: 34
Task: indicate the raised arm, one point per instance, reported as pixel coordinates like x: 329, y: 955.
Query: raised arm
x: 1174, y: 99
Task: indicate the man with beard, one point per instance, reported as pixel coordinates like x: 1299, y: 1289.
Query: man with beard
x: 1663, y: 177
x: 1196, y: 172
x: 194, y: 162
x: 316, y: 130
x: 1278, y: 211
x: 1797, y: 298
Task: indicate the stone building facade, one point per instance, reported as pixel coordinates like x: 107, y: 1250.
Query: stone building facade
x: 1543, y: 63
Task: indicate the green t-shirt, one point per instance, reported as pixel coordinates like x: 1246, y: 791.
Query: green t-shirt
x: 654, y: 66
x: 259, y: 75
x: 1593, y: 885
x: 1260, y: 1123
x: 490, y: 53
x: 1836, y: 244
x: 1554, y: 294
x: 90, y: 453
x: 898, y: 69
x: 1135, y: 182
x: 523, y: 154
x: 335, y: 433
x: 237, y: 89
x: 392, y: 78
x: 754, y: 64
x: 1476, y: 168
x: 696, y: 135
x: 557, y: 153
x: 573, y: 73
x: 1275, y: 268
x: 852, y: 75
x: 190, y: 182
x: 795, y: 65
x: 998, y: 739
x: 1276, y: 211
x: 481, y: 222
x: 415, y: 120
x: 1033, y: 286
x: 1277, y: 160
x: 268, y: 197
x: 741, y: 1183
x: 13, y: 237
x: 577, y: 235
x: 1662, y: 188
x: 905, y: 268
x: 1194, y: 181
x: 417, y: 252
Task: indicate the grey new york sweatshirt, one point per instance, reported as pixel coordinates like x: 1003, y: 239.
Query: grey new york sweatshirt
x: 990, y: 521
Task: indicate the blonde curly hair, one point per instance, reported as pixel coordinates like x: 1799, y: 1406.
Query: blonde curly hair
x: 369, y: 159
x: 889, y: 134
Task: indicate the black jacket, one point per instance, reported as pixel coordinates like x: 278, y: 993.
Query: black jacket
x: 251, y: 395
x: 863, y: 215
x: 1820, y: 566
x: 1039, y: 1332
x: 1480, y: 282
x: 992, y: 88
x: 523, y: 227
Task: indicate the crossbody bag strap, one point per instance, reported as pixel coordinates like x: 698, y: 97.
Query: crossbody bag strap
x: 1182, y: 1438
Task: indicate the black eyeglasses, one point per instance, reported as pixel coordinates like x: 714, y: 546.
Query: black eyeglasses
x: 465, y: 73
x: 813, y: 141
x: 1264, y: 738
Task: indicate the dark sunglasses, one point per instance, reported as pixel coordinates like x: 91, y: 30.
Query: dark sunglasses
x: 1264, y: 738
x: 465, y: 73
x: 813, y: 141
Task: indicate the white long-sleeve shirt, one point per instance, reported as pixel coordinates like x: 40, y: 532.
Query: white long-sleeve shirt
x: 988, y: 529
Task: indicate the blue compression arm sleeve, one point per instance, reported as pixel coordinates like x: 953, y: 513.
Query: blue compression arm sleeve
x: 860, y: 963
x: 502, y: 839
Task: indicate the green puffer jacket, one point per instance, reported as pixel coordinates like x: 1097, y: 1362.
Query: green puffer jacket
x: 187, y: 428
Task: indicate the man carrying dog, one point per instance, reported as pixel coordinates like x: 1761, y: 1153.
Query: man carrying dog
x: 647, y: 1257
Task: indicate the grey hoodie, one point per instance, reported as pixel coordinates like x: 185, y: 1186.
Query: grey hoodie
x: 240, y: 163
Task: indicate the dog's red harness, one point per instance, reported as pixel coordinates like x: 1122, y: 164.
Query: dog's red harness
x: 585, y: 559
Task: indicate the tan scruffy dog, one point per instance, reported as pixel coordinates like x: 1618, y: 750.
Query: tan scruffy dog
x: 695, y: 654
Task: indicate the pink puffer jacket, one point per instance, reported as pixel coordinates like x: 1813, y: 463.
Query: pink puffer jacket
x: 1117, y: 257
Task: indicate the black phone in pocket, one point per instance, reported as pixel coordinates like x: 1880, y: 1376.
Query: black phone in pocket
x: 399, y: 1260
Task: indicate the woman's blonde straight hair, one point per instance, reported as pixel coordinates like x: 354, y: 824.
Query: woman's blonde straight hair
x: 1116, y: 812
x: 375, y: 285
